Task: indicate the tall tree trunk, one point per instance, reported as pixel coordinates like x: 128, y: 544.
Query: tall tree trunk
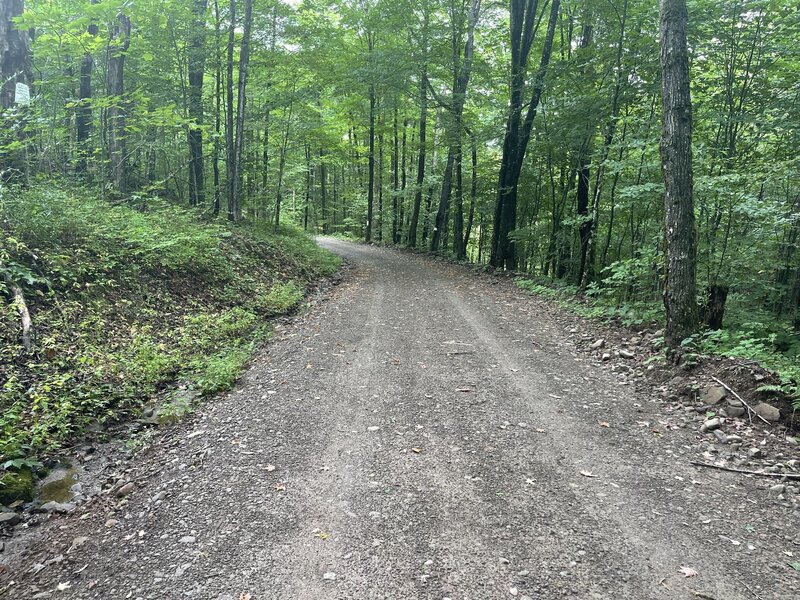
x: 518, y: 130
x: 680, y: 293
x: 462, y: 68
x: 371, y: 159
x: 117, y: 111
x: 395, y: 173
x: 323, y: 192
x: 83, y: 114
x: 217, y: 107
x: 241, y: 107
x: 472, y: 196
x: 230, y: 151
x: 423, y: 124
x: 197, y: 59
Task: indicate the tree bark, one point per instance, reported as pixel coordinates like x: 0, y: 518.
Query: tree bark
x: 241, y: 106
x: 83, y: 114
x: 230, y: 152
x: 117, y: 111
x: 197, y: 56
x: 680, y: 293
x: 518, y: 130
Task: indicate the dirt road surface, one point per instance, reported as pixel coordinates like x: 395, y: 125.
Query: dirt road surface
x: 425, y: 432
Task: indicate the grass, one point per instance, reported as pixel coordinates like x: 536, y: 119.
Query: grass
x: 126, y: 303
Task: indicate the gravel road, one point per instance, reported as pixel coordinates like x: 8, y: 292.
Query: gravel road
x: 423, y: 432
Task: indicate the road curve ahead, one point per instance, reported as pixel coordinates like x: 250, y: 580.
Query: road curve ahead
x: 423, y: 433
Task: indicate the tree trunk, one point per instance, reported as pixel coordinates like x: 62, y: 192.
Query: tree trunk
x: 518, y: 130
x: 83, y: 114
x: 423, y: 123
x: 197, y: 57
x: 117, y: 48
x: 462, y: 69
x: 680, y: 295
x: 241, y: 106
x: 371, y: 159
x: 230, y: 152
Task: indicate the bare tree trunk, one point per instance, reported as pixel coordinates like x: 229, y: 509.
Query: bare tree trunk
x: 680, y: 293
x: 197, y: 56
x: 518, y: 130
x: 371, y: 157
x: 241, y: 106
x: 117, y: 111
x: 230, y: 183
x: 217, y: 108
x: 83, y: 114
x: 423, y: 123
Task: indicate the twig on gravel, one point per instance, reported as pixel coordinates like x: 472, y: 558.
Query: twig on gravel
x: 747, y: 587
x: 732, y: 470
x: 699, y: 594
x: 750, y: 411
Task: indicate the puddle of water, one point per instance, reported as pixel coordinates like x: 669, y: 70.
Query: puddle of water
x: 56, y: 487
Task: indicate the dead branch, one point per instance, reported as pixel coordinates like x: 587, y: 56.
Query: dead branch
x: 740, y: 399
x: 18, y: 299
x: 745, y: 472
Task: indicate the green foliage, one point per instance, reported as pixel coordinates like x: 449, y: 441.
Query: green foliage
x: 16, y: 485
x: 125, y: 302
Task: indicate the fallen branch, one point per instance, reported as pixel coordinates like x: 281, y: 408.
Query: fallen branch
x: 18, y: 300
x: 794, y: 476
x: 740, y: 399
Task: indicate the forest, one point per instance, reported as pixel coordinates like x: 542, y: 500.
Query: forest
x: 524, y: 135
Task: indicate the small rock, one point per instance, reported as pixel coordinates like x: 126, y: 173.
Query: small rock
x: 111, y: 522
x: 720, y: 435
x: 792, y: 441
x: 713, y: 394
x: 329, y: 576
x: 777, y: 490
x: 768, y: 412
x: 524, y: 573
x: 598, y: 344
x: 710, y: 425
x: 734, y: 439
x: 187, y: 539
x: 755, y: 453
x: 373, y: 428
x: 626, y: 354
x: 606, y: 356
x: 9, y: 519
x: 126, y: 489
x: 513, y: 591
x: 57, y: 507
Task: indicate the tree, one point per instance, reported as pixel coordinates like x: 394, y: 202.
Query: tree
x: 523, y: 28
x: 118, y: 44
x: 197, y: 55
x: 680, y: 289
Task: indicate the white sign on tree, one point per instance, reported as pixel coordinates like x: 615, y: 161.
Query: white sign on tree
x: 22, y: 93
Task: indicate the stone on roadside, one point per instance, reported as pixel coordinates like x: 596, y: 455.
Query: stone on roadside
x: 713, y: 394
x: 598, y: 344
x: 126, y: 489
x: 626, y: 354
x: 606, y: 356
x: 755, y: 453
x: 329, y: 576
x: 777, y: 490
x: 767, y: 412
x: 9, y: 519
x: 734, y: 408
x: 57, y: 507
x: 710, y: 425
